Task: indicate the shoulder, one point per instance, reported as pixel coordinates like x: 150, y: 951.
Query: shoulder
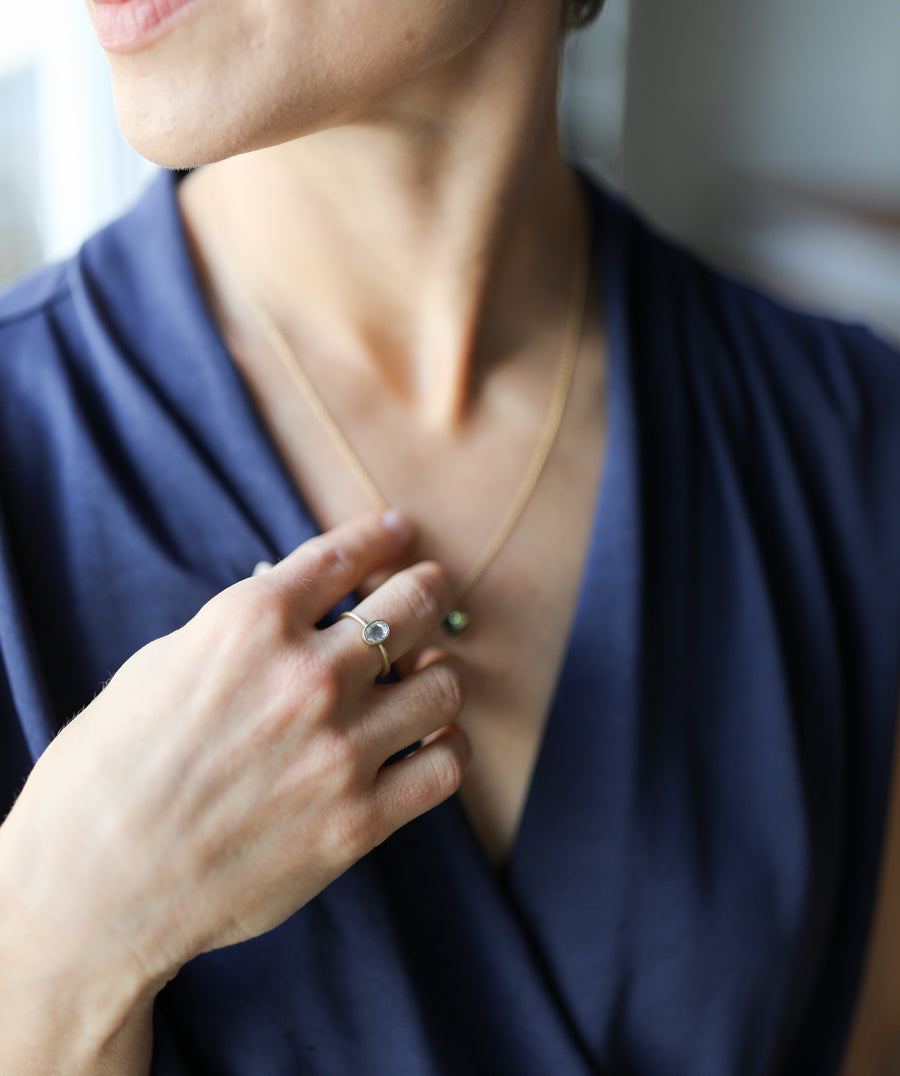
x: 62, y: 323
x: 788, y: 417
x: 82, y: 343
x: 756, y: 352
x: 36, y: 333
x: 107, y: 267
x: 29, y: 311
x: 31, y: 298
x: 769, y: 441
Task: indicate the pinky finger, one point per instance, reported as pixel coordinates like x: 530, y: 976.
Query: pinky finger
x: 415, y: 784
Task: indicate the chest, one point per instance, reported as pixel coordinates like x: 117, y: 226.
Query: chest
x: 659, y: 830
x: 459, y: 484
x: 662, y: 834
x: 522, y: 614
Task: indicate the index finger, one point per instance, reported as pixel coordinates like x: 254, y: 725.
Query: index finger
x: 328, y: 567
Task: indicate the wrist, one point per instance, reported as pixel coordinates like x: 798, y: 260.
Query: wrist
x: 70, y: 999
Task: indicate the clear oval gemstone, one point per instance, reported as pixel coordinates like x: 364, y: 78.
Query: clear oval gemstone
x: 376, y: 632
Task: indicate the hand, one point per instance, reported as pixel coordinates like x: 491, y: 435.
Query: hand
x: 232, y: 769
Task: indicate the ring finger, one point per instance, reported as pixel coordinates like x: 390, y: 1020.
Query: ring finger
x: 411, y: 603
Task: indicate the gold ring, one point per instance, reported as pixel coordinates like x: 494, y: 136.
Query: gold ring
x: 374, y: 633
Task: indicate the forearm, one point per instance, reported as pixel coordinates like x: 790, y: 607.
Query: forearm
x: 69, y: 1005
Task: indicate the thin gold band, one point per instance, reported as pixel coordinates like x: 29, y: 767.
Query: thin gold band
x: 385, y: 660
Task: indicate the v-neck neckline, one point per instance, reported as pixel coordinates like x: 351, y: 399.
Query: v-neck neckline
x: 287, y: 520
x: 604, y: 603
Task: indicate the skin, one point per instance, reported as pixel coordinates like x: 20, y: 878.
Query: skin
x: 436, y: 146
x: 437, y: 142
x: 385, y: 174
x: 248, y: 744
x: 449, y: 337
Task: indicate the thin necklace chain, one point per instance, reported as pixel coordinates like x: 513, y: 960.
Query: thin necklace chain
x: 458, y: 619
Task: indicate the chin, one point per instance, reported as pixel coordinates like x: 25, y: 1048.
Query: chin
x: 184, y: 130
x: 208, y: 90
x: 172, y: 129
x: 176, y: 144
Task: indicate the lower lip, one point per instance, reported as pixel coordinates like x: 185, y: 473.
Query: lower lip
x: 129, y: 25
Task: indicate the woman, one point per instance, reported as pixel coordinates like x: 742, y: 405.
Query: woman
x: 672, y: 760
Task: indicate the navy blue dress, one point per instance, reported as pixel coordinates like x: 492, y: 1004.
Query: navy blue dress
x: 691, y: 889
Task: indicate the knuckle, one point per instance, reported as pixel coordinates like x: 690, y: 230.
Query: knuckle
x: 243, y: 612
x: 287, y: 714
x: 447, y: 689
x: 439, y: 583
x: 326, y: 558
x: 270, y: 617
x: 427, y: 593
x: 222, y: 608
x: 352, y: 828
x: 314, y: 681
x: 447, y: 770
x: 318, y: 684
x: 301, y: 693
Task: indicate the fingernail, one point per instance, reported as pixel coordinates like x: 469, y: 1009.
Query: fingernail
x: 398, y: 524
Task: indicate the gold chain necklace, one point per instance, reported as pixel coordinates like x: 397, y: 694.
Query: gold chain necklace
x: 458, y: 619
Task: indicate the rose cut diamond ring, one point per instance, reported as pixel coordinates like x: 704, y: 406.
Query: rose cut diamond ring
x: 374, y: 633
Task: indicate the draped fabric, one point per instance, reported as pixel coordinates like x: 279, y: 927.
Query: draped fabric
x: 692, y: 885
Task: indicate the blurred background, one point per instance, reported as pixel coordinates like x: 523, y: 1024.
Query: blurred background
x: 765, y: 134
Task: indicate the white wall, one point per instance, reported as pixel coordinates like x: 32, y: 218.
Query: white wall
x: 80, y: 141
x: 64, y: 168
x: 768, y: 133
x: 593, y: 92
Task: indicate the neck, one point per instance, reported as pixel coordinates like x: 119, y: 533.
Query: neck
x: 425, y: 239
